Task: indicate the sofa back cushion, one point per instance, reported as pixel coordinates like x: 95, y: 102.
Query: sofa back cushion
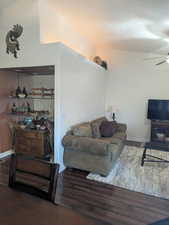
x: 108, y: 128
x: 95, y: 125
x: 82, y: 130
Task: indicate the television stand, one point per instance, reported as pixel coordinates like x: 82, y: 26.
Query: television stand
x: 159, y: 131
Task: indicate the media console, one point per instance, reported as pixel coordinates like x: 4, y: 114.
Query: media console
x: 159, y: 131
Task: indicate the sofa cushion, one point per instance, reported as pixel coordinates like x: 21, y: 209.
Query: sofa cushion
x: 120, y: 135
x: 111, y: 140
x: 82, y: 130
x: 121, y: 127
x: 95, y: 124
x: 87, y: 144
x: 108, y: 128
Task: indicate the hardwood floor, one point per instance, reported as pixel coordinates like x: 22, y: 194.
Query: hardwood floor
x: 109, y: 204
x: 18, y: 208
x: 4, y: 170
x: 103, y: 203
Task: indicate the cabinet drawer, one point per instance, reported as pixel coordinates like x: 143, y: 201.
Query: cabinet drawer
x: 31, y: 148
x: 29, y: 134
x: 30, y: 142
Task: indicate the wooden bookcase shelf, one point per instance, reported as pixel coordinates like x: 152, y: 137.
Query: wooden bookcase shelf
x: 39, y: 98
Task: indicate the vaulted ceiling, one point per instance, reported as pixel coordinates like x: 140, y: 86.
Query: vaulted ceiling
x: 134, y: 25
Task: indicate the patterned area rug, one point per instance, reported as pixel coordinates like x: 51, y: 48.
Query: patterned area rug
x: 152, y: 179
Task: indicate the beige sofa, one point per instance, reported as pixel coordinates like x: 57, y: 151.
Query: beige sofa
x: 85, y: 149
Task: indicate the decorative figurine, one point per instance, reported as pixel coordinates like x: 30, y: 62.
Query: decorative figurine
x: 14, y: 108
x: 18, y: 92
x: 114, y: 116
x: 11, y: 39
x: 100, y: 62
x: 25, y: 92
x: 28, y: 107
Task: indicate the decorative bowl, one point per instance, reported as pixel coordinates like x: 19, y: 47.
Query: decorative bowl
x: 21, y: 95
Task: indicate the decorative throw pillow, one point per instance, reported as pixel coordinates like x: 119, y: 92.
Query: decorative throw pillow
x: 108, y: 128
x: 82, y: 130
x: 95, y: 124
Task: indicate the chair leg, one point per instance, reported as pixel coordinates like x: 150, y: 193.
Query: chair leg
x: 53, y: 182
x: 12, y: 171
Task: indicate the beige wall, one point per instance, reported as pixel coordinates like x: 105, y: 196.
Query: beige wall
x: 46, y: 82
x: 8, y: 82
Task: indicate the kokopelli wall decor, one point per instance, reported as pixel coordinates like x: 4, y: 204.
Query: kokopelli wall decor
x: 11, y: 39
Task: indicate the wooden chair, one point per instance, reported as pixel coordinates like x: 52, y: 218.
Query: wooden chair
x: 25, y: 167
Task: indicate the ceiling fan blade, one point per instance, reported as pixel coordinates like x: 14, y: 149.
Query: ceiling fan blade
x: 151, y: 58
x: 160, y: 62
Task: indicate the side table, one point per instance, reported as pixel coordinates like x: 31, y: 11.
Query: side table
x: 159, y: 146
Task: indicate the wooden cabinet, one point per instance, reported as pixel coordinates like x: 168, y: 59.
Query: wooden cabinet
x: 160, y: 131
x: 32, y: 142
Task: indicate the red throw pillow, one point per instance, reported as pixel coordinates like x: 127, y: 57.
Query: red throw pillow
x: 108, y: 128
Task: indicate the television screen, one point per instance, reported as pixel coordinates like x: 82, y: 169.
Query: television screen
x: 158, y: 109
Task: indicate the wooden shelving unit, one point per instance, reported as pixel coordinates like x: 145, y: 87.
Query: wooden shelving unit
x: 38, y: 98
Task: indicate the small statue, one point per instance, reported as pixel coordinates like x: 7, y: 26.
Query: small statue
x: 100, y: 62
x: 25, y: 92
x: 18, y: 91
x: 11, y: 39
x: 14, y: 108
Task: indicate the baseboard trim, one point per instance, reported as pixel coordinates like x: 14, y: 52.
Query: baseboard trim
x: 5, y: 154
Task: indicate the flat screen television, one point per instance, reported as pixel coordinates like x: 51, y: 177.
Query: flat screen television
x: 158, y: 109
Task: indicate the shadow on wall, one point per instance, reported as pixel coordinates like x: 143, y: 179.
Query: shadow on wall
x: 161, y: 222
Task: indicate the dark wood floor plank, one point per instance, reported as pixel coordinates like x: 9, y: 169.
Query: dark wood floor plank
x: 118, y: 196
x: 118, y: 204
x: 115, y: 206
x: 102, y: 214
x: 121, y: 193
x: 18, y: 208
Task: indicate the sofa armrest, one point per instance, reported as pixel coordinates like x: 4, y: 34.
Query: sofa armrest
x: 121, y: 127
x: 85, y: 144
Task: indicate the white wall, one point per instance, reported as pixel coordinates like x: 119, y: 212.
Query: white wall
x: 32, y: 52
x: 132, y: 80
x: 8, y: 83
x: 26, y: 14
x: 79, y: 83
x: 82, y: 90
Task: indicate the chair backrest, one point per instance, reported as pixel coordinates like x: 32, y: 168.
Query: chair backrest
x: 29, y: 174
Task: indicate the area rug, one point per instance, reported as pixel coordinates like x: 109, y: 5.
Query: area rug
x: 152, y: 179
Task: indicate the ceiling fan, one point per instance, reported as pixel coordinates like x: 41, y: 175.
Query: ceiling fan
x: 165, y: 60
